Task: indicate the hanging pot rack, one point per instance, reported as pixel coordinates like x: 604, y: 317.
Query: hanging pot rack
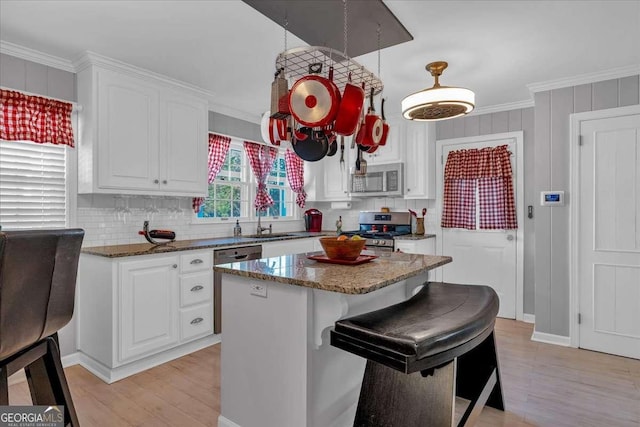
x: 295, y: 63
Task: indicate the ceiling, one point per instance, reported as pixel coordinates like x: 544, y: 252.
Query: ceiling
x: 228, y: 48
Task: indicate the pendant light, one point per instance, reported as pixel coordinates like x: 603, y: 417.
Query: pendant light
x: 438, y: 102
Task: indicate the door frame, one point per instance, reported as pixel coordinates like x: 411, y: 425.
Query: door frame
x: 576, y: 120
x: 519, y: 189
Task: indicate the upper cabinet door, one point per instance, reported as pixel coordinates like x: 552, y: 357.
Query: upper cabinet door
x: 420, y: 161
x: 183, y: 154
x: 127, y: 132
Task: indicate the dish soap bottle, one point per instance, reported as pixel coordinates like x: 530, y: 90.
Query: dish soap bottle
x: 339, y: 226
x: 237, y: 230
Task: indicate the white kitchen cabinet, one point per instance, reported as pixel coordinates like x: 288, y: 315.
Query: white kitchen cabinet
x: 287, y: 247
x: 328, y: 180
x: 149, y: 302
x: 420, y: 160
x: 392, y: 151
x: 139, y: 134
x: 136, y: 312
x: 422, y: 247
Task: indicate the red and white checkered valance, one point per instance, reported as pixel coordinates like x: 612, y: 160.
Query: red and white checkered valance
x: 261, y: 158
x: 295, y: 176
x: 487, y: 173
x: 218, y: 149
x: 33, y: 118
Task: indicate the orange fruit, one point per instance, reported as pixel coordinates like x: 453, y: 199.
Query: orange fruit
x: 343, y: 237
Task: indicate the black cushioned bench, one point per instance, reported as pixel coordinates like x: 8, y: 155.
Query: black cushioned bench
x: 412, y: 377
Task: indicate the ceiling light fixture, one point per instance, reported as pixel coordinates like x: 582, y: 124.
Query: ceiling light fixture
x: 438, y: 102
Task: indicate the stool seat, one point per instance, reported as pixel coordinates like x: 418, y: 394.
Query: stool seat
x: 442, y: 319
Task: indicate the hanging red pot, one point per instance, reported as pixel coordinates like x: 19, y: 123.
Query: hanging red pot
x: 350, y: 109
x: 373, y: 126
x: 314, y: 100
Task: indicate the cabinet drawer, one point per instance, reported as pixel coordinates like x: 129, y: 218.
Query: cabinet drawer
x: 196, y: 288
x: 196, y: 322
x: 196, y: 261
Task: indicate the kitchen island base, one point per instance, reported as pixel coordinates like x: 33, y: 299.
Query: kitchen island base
x: 277, y: 366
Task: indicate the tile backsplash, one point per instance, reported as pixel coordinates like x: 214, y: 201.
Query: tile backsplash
x: 115, y: 220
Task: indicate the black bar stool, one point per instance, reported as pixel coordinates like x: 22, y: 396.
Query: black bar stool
x: 411, y: 378
x: 38, y: 271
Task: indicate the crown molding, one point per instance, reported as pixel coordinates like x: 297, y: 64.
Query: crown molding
x: 614, y: 73
x: 502, y: 107
x: 91, y: 58
x: 36, y: 56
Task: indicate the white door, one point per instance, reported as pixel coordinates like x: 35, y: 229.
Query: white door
x: 486, y: 257
x: 608, y: 235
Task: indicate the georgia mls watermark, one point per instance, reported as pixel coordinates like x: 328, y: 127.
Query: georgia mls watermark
x: 32, y: 416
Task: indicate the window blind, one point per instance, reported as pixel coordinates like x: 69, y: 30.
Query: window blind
x: 32, y: 185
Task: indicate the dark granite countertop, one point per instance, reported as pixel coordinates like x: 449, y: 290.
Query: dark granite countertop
x: 415, y: 237
x: 297, y: 269
x: 116, y: 251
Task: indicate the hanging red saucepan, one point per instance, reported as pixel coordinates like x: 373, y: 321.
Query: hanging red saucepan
x: 310, y: 145
x: 314, y: 100
x: 350, y: 109
x: 385, y: 125
x: 361, y: 128
x: 273, y: 130
x: 373, y: 125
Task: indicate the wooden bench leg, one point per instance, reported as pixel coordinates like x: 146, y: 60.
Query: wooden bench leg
x: 475, y: 369
x: 392, y: 398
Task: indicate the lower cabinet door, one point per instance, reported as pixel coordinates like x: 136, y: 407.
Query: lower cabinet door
x: 149, y: 303
x: 196, y: 322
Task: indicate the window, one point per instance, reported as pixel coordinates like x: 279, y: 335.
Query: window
x: 279, y: 190
x: 33, y: 188
x: 232, y: 193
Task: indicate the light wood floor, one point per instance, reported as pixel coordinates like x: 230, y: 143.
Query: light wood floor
x: 544, y: 385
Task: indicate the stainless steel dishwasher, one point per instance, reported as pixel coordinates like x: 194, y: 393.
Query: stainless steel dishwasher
x: 225, y: 256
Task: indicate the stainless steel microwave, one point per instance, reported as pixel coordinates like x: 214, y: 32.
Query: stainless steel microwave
x: 380, y: 180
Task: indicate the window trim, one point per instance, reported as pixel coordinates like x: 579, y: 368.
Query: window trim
x: 252, y: 186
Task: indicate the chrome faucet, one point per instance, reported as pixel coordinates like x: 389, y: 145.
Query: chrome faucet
x: 260, y: 229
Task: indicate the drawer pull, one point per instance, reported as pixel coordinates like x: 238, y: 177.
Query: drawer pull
x: 241, y: 256
x: 197, y: 320
x: 196, y: 261
x: 197, y: 288
x: 175, y: 266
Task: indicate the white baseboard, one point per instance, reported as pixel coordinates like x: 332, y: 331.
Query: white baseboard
x: 224, y: 422
x: 529, y: 318
x: 68, y: 360
x: 110, y: 375
x: 551, y: 339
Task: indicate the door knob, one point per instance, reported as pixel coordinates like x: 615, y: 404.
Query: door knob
x: 509, y: 237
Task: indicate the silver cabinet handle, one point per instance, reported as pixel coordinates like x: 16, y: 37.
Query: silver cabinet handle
x: 197, y: 320
x: 197, y: 288
x: 509, y: 237
x: 155, y: 181
x: 175, y: 266
x: 196, y: 261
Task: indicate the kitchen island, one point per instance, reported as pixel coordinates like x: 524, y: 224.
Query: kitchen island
x: 277, y: 367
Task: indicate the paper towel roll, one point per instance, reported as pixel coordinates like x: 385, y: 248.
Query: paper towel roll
x: 340, y: 205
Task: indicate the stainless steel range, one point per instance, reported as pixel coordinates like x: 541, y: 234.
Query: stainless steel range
x: 379, y: 228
